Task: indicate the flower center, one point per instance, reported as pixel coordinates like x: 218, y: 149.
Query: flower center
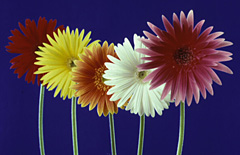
x: 99, y: 80
x: 142, y: 74
x: 71, y: 63
x: 183, y: 56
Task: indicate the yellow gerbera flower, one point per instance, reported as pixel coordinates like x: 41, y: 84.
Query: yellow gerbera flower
x: 57, y: 59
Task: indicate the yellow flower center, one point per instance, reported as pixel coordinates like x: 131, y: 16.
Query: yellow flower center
x: 99, y: 80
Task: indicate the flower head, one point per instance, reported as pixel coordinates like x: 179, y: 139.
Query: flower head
x: 184, y: 59
x: 57, y: 59
x: 128, y: 84
x: 26, y: 43
x: 88, y: 76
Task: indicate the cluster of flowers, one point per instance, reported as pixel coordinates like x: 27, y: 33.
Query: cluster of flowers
x: 170, y: 65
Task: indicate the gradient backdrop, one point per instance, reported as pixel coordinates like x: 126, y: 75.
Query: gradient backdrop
x: 212, y: 126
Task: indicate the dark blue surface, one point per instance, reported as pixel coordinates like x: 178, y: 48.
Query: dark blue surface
x: 212, y: 126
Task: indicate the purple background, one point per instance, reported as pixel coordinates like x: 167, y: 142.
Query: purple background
x: 212, y: 126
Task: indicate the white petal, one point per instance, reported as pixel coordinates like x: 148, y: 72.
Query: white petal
x: 132, y: 103
x: 127, y: 95
x: 121, y: 87
x: 156, y: 102
x: 146, y: 101
x: 116, y: 96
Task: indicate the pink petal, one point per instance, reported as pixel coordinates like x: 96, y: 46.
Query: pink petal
x: 225, y: 53
x: 210, y: 89
x: 189, y: 92
x: 150, y: 76
x: 202, y: 45
x: 167, y: 25
x: 217, y: 58
x: 163, y: 76
x: 166, y: 89
x: 148, y: 65
x: 183, y: 89
x: 155, y: 29
x: 208, y: 51
x: 214, y: 76
x: 176, y: 83
x: 158, y: 58
x: 183, y: 21
x: 196, y: 93
x: 204, y: 73
x: 204, y: 79
x: 224, y: 44
x: 204, y: 34
x: 190, y: 19
x: 194, y: 87
x: 208, y: 63
x: 147, y: 42
x: 177, y: 26
x: 173, y: 89
x: 214, y: 36
x: 215, y: 43
x: 223, y: 68
x: 175, y: 19
x: 147, y: 52
x: 152, y: 37
x: 200, y: 84
x: 177, y: 100
x: 197, y: 28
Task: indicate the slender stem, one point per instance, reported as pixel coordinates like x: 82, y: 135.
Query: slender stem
x: 141, y: 135
x: 40, y: 120
x: 112, y: 134
x: 74, y: 127
x: 181, y: 128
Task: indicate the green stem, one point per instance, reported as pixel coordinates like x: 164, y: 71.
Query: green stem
x: 181, y: 128
x: 141, y: 135
x: 74, y: 126
x: 112, y: 134
x: 40, y: 120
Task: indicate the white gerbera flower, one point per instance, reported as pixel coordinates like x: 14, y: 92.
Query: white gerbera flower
x: 127, y: 81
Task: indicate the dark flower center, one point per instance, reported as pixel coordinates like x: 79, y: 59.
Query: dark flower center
x: 72, y: 64
x: 183, y: 56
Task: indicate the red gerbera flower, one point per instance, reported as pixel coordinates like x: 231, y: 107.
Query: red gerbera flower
x: 184, y: 59
x: 26, y: 43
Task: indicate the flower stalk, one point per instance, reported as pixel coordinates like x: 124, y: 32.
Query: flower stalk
x: 112, y: 134
x: 181, y: 129
x: 141, y: 135
x: 74, y: 126
x: 40, y: 120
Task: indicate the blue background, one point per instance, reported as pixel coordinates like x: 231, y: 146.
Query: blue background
x: 212, y: 126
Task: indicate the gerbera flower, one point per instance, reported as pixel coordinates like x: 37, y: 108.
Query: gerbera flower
x: 88, y: 75
x: 26, y: 43
x: 184, y: 59
x: 57, y: 59
x: 127, y: 81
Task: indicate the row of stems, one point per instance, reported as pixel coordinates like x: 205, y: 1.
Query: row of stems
x: 111, y: 126
x: 40, y: 123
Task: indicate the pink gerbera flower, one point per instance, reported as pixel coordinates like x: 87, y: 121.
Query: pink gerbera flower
x: 183, y: 58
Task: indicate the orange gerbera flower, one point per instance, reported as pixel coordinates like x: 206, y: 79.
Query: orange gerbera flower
x: 88, y: 74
